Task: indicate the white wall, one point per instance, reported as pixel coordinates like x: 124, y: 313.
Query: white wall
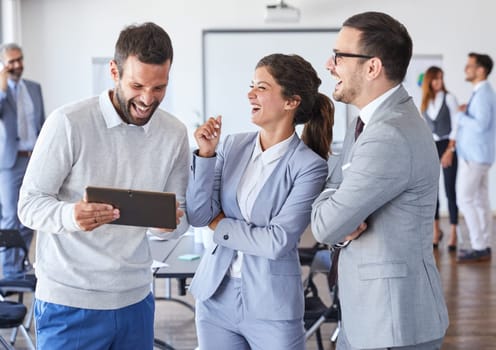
x: 60, y: 38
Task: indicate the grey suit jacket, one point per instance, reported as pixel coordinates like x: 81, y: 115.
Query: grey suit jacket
x: 271, y: 273
x: 8, y: 123
x: 390, y: 289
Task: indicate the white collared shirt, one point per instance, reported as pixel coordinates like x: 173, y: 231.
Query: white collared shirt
x: 260, y: 167
x: 478, y: 85
x: 111, y: 116
x: 25, y: 111
x: 368, y: 111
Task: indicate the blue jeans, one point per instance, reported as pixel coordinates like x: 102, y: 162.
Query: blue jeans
x: 60, y: 327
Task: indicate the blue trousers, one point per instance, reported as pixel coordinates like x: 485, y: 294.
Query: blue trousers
x: 222, y: 323
x: 10, y: 183
x: 60, y: 327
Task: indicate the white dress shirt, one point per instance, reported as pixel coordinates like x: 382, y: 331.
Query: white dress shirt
x: 367, y: 111
x: 25, y: 115
x: 261, y: 165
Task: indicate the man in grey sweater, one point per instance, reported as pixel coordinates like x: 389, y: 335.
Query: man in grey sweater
x: 94, y: 278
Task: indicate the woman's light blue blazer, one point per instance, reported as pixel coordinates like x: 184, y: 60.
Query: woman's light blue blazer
x: 271, y: 274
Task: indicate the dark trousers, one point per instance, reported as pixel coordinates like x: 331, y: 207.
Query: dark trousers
x: 10, y: 183
x: 449, y: 177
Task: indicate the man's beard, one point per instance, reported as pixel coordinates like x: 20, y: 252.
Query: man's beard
x: 125, y: 110
x: 15, y: 74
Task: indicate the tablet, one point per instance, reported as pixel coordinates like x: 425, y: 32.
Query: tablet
x: 137, y: 208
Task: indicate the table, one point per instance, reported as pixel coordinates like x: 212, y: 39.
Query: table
x: 169, y: 253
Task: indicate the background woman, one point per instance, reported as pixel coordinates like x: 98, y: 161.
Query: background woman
x: 255, y: 191
x: 439, y: 108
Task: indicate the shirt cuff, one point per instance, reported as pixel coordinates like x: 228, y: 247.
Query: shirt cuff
x: 74, y: 222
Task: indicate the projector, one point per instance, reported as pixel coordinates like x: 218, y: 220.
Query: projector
x: 282, y: 13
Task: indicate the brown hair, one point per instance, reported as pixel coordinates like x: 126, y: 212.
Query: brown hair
x: 427, y: 92
x: 483, y: 61
x: 296, y: 76
x: 384, y: 37
x: 147, y: 41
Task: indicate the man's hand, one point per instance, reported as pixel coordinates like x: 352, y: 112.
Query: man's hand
x: 355, y: 234
x: 213, y: 224
x: 179, y: 215
x: 4, y: 74
x: 92, y: 215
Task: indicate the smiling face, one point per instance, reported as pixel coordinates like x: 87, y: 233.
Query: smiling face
x: 473, y: 71
x: 348, y: 71
x: 139, y: 90
x: 437, y: 83
x: 269, y: 107
x: 13, y: 60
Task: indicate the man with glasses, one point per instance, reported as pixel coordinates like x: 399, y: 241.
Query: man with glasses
x: 389, y: 286
x: 475, y: 142
x: 21, y: 116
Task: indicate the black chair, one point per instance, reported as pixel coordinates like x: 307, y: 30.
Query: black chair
x: 10, y: 239
x: 308, y: 253
x: 316, y: 311
x: 11, y: 316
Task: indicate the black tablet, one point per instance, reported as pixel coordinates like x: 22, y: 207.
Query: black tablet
x: 137, y: 208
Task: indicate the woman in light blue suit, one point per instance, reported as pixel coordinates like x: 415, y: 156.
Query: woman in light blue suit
x: 255, y: 191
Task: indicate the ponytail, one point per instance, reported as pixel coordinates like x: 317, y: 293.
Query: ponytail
x: 317, y: 132
x: 297, y: 77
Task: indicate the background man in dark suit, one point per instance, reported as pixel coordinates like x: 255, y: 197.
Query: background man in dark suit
x: 21, y: 116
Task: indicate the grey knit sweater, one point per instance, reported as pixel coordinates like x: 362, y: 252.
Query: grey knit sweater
x: 86, y: 143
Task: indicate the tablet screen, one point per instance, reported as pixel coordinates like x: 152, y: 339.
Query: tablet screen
x: 137, y: 208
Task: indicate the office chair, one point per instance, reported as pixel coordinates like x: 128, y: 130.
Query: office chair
x: 11, y: 316
x: 308, y: 253
x: 11, y: 286
x: 316, y: 311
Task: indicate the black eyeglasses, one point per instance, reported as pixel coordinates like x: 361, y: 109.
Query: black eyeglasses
x: 336, y: 55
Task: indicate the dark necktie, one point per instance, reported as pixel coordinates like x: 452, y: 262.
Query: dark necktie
x: 332, y: 277
x: 359, y: 127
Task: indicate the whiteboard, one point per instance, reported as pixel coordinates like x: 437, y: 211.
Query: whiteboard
x: 229, y: 60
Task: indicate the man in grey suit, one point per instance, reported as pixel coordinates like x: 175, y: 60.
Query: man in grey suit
x: 389, y: 286
x: 21, y: 116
